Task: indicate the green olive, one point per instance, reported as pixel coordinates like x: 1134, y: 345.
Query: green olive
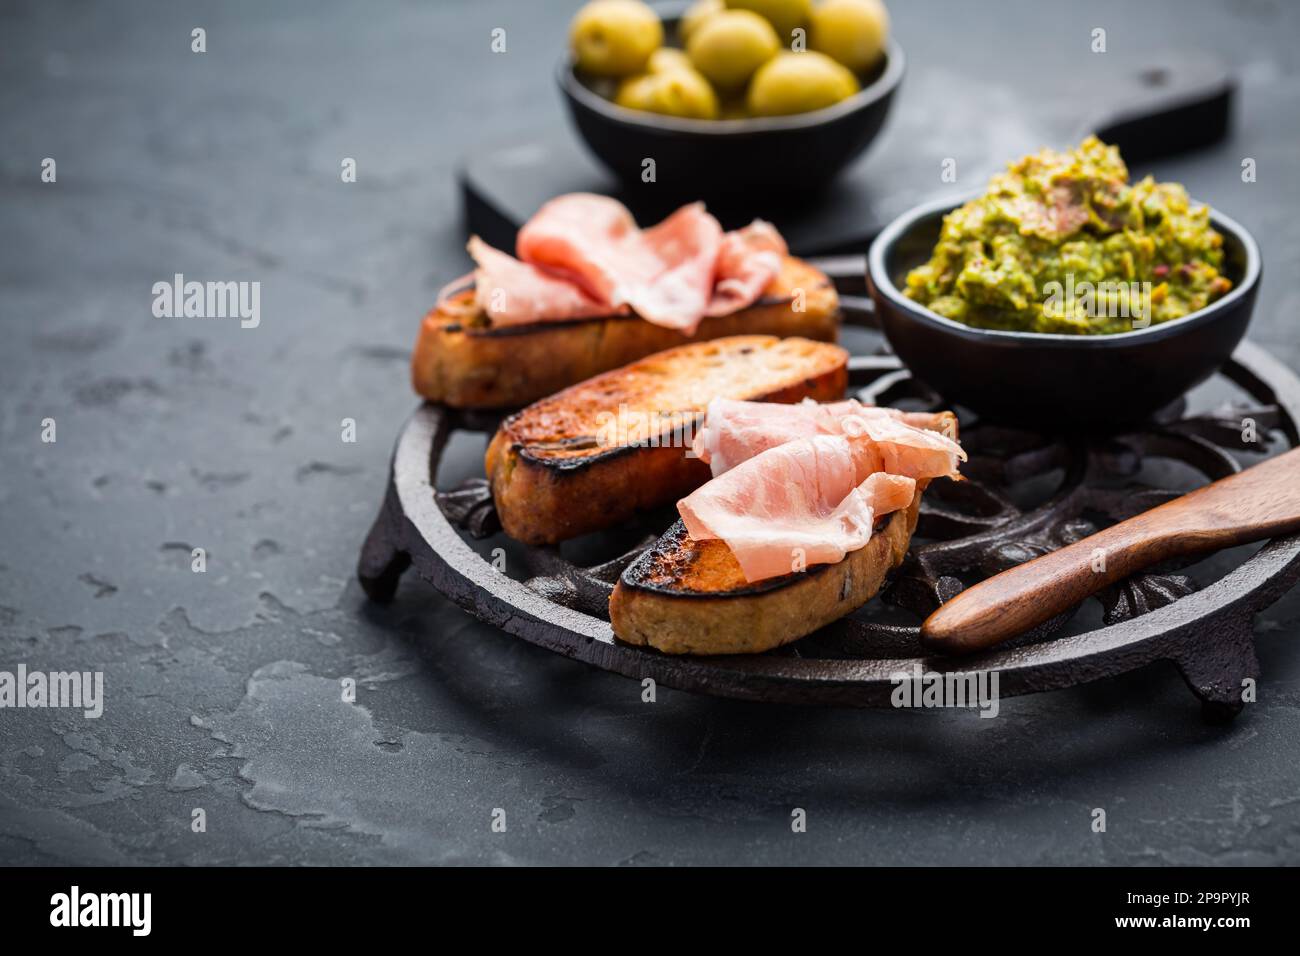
x: 784, y: 15
x: 614, y: 37
x: 681, y: 92
x: 851, y: 32
x: 695, y: 14
x: 634, y: 93
x: 799, y: 83
x: 666, y: 59
x: 729, y: 46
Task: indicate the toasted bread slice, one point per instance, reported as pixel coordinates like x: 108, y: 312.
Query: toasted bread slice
x: 690, y: 597
x: 595, y: 454
x: 461, y: 360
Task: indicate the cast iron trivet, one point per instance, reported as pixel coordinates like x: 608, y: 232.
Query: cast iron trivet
x: 1026, y: 493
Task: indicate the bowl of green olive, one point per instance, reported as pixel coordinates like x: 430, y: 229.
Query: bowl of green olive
x: 723, y: 97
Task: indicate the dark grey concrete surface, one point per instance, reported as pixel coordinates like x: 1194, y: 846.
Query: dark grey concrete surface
x: 222, y: 688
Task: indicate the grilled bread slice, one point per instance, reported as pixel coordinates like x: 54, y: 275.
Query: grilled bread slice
x: 690, y: 597
x: 461, y: 360
x: 595, y: 454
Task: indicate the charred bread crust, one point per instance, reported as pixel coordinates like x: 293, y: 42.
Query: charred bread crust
x: 551, y: 477
x: 462, y: 361
x: 690, y: 597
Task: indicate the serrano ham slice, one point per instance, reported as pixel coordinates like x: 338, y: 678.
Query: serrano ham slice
x: 511, y: 292
x: 679, y: 257
x: 882, y: 443
x: 582, y: 255
x: 806, y: 482
x: 591, y: 240
x: 911, y: 442
x: 665, y: 274
x: 747, y: 261
x: 795, y: 505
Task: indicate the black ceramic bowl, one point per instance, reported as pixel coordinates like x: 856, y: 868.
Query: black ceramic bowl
x: 1066, y: 381
x: 725, y: 159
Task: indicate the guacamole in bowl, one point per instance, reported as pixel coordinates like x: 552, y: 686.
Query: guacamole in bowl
x: 1063, y: 243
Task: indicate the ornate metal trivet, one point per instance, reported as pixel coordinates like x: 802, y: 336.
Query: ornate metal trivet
x: 1027, y: 494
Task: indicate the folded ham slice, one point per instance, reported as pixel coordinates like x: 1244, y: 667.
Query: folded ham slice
x: 798, y: 485
x: 909, y: 442
x: 583, y: 255
x: 511, y: 292
x: 665, y: 274
x: 673, y: 283
x: 795, y: 505
x: 747, y: 261
x: 881, y: 443
x: 591, y: 240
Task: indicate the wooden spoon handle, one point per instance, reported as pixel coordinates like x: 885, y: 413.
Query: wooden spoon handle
x: 1025, y: 596
x: 1260, y: 502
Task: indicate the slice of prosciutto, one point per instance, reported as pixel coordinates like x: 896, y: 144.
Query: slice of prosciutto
x: 908, y: 443
x: 798, y: 504
x: 674, y: 287
x: 582, y: 255
x: 590, y: 240
x: 881, y: 443
x: 748, y: 260
x: 665, y: 274
x: 510, y: 292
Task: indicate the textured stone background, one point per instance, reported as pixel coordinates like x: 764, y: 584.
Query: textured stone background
x: 223, y: 687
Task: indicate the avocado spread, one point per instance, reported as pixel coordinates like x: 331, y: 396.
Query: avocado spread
x: 1062, y: 242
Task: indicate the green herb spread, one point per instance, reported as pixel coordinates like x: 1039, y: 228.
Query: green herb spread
x: 1061, y: 242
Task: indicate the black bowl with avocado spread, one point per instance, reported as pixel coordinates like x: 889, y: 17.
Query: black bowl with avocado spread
x: 1062, y: 243
x: 1120, y: 370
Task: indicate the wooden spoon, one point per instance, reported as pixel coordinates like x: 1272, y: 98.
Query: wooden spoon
x: 1260, y: 502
